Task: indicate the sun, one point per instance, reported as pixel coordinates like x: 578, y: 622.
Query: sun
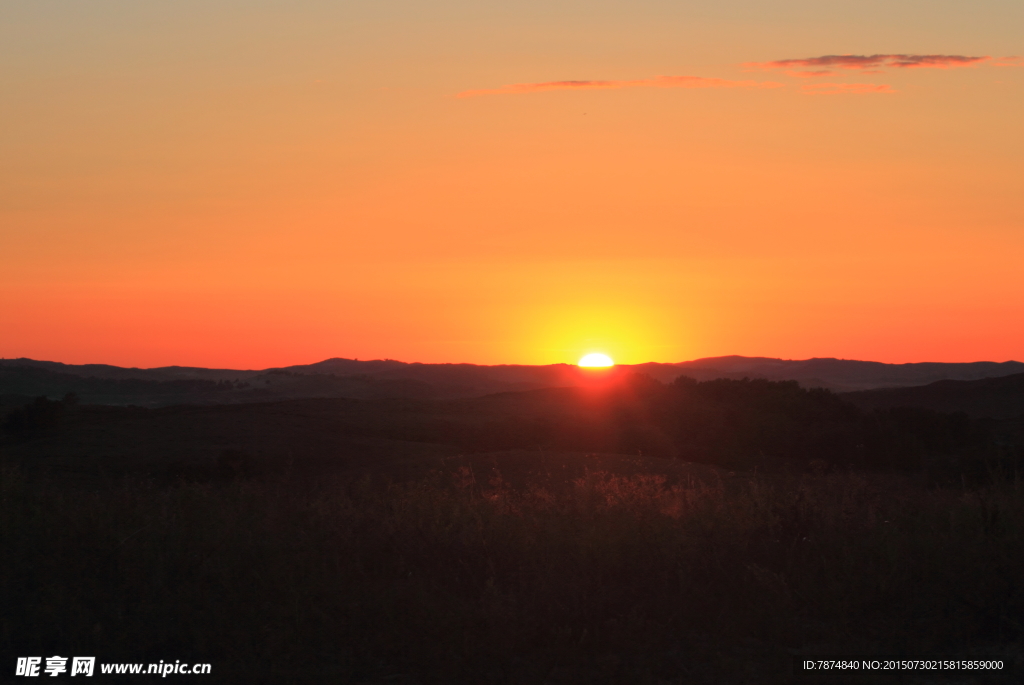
x: 596, y: 359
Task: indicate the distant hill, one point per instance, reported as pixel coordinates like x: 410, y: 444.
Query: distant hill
x: 997, y: 398
x: 351, y: 378
x: 840, y: 375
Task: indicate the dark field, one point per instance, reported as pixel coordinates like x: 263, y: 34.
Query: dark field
x: 406, y: 542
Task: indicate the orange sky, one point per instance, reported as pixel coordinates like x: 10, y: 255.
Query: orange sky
x: 262, y: 184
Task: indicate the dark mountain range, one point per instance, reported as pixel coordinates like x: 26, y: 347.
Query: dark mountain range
x: 104, y: 384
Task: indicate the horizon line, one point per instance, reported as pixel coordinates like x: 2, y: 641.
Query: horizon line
x: 367, y: 361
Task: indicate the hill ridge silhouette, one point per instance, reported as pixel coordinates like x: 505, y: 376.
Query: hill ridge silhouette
x: 341, y: 377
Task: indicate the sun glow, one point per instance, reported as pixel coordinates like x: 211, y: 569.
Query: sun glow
x: 596, y: 359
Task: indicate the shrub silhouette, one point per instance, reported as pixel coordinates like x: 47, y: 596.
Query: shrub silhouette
x: 36, y: 417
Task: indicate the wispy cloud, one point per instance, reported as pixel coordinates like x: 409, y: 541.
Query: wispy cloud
x: 847, y: 88
x: 828, y: 64
x: 1008, y: 62
x: 656, y: 82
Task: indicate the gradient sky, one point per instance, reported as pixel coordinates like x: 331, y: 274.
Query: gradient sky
x: 254, y: 184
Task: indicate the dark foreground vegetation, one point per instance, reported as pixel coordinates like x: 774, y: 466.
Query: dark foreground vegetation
x: 468, y: 542
x: 514, y: 568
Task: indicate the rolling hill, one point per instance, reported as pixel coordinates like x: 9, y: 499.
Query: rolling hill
x: 351, y: 378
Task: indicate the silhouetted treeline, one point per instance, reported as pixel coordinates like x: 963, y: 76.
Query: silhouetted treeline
x: 752, y: 423
x: 998, y: 398
x: 736, y: 424
x: 742, y: 423
x: 26, y: 380
x: 38, y: 416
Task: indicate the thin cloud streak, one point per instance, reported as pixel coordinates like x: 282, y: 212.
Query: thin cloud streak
x: 828, y: 64
x: 847, y: 88
x: 656, y: 82
x: 1011, y: 61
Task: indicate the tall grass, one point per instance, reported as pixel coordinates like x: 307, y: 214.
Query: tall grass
x: 465, y: 577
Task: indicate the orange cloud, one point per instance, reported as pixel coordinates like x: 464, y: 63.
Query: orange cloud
x: 806, y: 74
x: 656, y: 82
x: 827, y: 64
x: 847, y: 88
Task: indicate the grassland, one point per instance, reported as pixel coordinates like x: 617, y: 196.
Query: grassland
x: 521, y: 566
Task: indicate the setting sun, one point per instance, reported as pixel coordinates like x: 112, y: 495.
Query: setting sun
x: 596, y: 359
